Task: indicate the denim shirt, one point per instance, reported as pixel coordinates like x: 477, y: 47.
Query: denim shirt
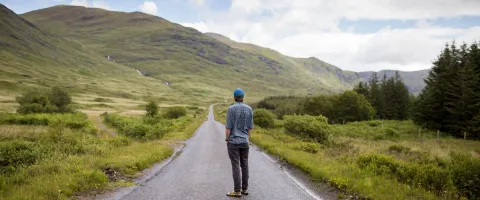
x: 239, y: 121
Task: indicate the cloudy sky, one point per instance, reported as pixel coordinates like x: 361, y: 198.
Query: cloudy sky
x: 356, y: 35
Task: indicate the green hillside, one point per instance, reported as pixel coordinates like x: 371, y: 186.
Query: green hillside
x: 189, y: 60
x: 30, y: 57
x: 327, y: 73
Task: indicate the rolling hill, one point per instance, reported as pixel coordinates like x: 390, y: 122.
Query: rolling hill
x: 68, y: 45
x: 413, y: 80
x: 33, y: 58
x: 190, y: 61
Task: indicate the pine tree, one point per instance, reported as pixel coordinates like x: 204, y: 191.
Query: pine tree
x: 402, y: 99
x: 461, y: 100
x: 376, y: 97
x: 362, y: 88
x: 388, y: 92
x: 430, y: 107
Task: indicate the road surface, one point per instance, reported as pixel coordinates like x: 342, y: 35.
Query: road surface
x: 203, y: 171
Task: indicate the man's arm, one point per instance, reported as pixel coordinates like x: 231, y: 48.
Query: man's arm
x: 227, y: 134
x: 228, y: 124
x: 250, y: 122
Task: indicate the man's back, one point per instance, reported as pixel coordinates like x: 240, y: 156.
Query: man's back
x: 239, y: 121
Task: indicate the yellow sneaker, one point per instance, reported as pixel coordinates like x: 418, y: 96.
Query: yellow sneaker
x: 234, y: 194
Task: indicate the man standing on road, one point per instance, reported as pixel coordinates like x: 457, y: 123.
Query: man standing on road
x: 238, y: 127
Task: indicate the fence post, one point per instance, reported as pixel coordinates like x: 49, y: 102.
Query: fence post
x: 419, y: 132
x: 465, y: 135
x: 438, y: 134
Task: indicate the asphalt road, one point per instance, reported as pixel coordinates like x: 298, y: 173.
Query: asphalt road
x: 203, y: 171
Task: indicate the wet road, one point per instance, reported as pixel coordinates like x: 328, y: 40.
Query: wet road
x: 203, y: 171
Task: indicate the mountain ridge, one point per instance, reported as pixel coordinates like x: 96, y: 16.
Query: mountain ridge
x: 33, y: 58
x: 193, y: 63
x: 413, y: 79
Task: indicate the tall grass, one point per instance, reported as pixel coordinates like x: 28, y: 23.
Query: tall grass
x: 59, y: 162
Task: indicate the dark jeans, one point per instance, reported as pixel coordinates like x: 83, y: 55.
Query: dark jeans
x: 238, y: 154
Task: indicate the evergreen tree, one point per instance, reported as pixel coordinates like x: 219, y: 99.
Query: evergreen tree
x: 402, y: 99
x: 450, y: 100
x: 431, y: 104
x: 376, y: 96
x: 362, y: 88
x: 461, y: 97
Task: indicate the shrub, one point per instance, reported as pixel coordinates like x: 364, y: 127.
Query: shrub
x: 466, y: 174
x: 32, y: 101
x: 391, y: 133
x: 15, y: 153
x: 70, y: 120
x: 60, y: 99
x: 175, y: 112
x: 315, y: 127
x: 428, y: 176
x: 264, y: 118
x: 103, y: 100
x: 147, y: 128
x: 152, y: 108
x: 42, y: 101
x: 399, y: 149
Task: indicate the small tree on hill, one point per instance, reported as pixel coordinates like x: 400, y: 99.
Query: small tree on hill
x: 176, y: 112
x: 33, y: 101
x: 60, y: 100
x: 152, y: 108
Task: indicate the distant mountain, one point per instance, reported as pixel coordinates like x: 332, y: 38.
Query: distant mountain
x: 31, y: 57
x: 202, y: 66
x: 413, y: 80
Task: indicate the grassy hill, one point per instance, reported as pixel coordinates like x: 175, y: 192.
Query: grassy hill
x: 31, y: 57
x: 189, y: 60
x: 68, y: 45
x: 329, y: 74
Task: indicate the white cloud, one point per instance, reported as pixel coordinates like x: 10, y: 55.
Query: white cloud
x: 197, y: 2
x: 101, y: 4
x: 80, y: 3
x: 304, y: 28
x: 149, y: 7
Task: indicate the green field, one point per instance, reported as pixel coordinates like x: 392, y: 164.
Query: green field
x: 378, y: 159
x: 57, y: 156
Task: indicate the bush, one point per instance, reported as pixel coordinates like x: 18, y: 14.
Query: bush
x: 175, y: 112
x: 146, y: 128
x: 264, y: 118
x: 428, y: 176
x: 391, y: 133
x: 70, y: 120
x: 315, y: 127
x: 152, y: 108
x: 466, y: 174
x: 103, y: 100
x: 56, y: 100
x: 60, y: 99
x: 399, y: 149
x: 16, y: 153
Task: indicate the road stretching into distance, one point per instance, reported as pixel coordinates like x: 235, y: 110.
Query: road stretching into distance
x: 203, y: 171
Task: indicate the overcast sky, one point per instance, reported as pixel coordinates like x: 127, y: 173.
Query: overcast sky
x: 356, y: 35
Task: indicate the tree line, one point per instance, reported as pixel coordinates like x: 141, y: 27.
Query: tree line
x: 389, y: 97
x: 450, y: 102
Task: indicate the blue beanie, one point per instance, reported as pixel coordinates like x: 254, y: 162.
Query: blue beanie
x: 238, y: 93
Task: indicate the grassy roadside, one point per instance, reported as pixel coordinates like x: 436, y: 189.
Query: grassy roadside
x: 378, y: 159
x: 55, y: 161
